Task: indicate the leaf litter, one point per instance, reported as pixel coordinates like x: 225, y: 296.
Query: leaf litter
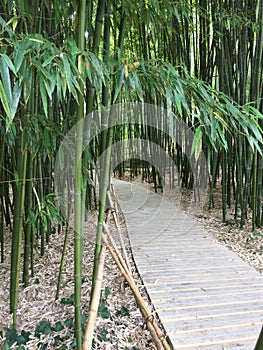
x: 119, y: 325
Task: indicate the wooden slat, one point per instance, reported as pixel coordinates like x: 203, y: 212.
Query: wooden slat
x: 206, y: 297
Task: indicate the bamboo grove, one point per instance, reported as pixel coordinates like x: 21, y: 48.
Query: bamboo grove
x: 59, y: 61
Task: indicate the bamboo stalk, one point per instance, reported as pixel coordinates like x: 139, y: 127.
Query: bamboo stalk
x: 128, y: 277
x: 254, y: 191
x: 18, y: 228
x: 157, y: 341
x: 62, y: 259
x: 28, y: 226
x: 102, y: 196
x: 113, y: 243
x: 92, y: 315
x: 2, y: 236
x: 124, y: 252
x: 78, y: 223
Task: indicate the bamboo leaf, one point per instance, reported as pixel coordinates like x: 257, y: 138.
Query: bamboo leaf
x: 58, y: 86
x: 15, y: 99
x: 97, y: 67
x: 197, y: 142
x: 35, y: 40
x: 177, y: 102
x: 135, y: 83
x: 181, y: 96
x: 4, y: 100
x: 43, y: 94
x: 26, y: 81
x: 169, y: 112
x: 9, y: 63
x: 40, y: 67
x: 221, y: 136
x: 253, y: 144
x: 20, y: 54
x: 254, y: 127
x: 48, y: 60
x: 6, y: 80
x: 120, y: 83
x: 69, y: 77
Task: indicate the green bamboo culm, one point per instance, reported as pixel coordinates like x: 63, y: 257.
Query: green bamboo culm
x: 106, y: 167
x: 78, y: 223
x: 2, y: 236
x: 105, y: 88
x: 104, y: 171
x: 40, y: 192
x: 254, y: 191
x: 19, y: 196
x: 104, y: 184
x: 62, y: 259
x: 28, y: 225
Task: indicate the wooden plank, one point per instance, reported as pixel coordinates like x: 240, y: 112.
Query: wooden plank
x: 183, y: 292
x: 210, y: 343
x: 187, y: 281
x: 206, y: 297
x: 194, y: 326
x: 205, y: 316
x: 162, y: 294
x: 173, y: 269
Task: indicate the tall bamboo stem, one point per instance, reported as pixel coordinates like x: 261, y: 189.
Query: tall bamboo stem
x: 78, y: 223
x: 17, y: 226
x: 92, y: 315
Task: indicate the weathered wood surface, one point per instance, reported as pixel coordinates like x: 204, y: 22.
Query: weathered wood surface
x: 206, y: 296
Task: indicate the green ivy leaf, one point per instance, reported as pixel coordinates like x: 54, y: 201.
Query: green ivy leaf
x: 104, y: 311
x: 107, y: 292
x: 123, y: 312
x: 43, y: 327
x: 58, y: 327
x: 74, y: 343
x: 23, y: 338
x: 68, y: 301
x: 83, y: 322
x: 69, y: 323
x: 11, y: 336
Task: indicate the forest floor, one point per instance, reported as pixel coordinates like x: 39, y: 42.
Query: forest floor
x: 47, y: 323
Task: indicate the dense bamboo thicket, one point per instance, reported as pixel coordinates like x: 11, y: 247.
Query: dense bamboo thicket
x: 201, y: 61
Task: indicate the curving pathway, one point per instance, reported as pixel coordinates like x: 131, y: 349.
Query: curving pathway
x: 206, y: 297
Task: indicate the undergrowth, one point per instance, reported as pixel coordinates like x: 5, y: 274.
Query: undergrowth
x: 18, y: 340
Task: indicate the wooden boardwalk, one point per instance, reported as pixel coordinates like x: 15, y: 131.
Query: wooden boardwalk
x: 206, y: 296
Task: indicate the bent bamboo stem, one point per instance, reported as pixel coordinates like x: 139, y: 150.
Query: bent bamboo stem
x: 116, y: 221
x: 127, y: 275
x: 92, y: 315
x: 157, y: 341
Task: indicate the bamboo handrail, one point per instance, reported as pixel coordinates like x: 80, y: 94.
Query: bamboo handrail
x: 158, y: 334
x: 124, y: 253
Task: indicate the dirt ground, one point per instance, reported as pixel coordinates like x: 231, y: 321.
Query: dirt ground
x: 120, y: 324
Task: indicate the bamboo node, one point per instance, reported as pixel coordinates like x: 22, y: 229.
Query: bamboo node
x: 161, y: 336
x: 149, y: 319
x: 110, y: 209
